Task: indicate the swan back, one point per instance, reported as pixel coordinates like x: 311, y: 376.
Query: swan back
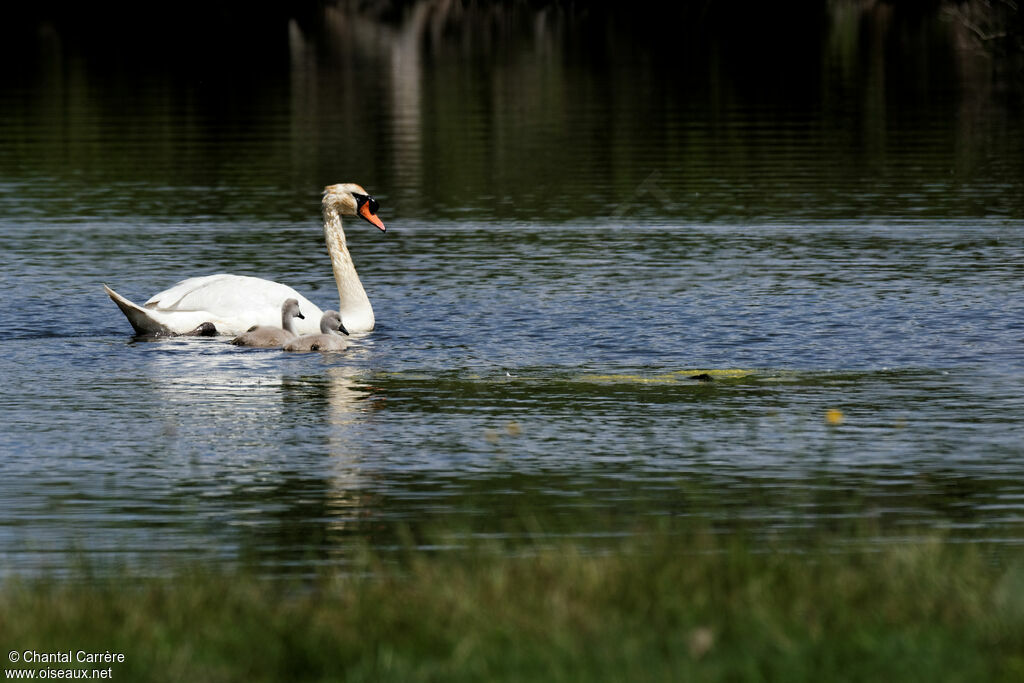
x: 233, y: 303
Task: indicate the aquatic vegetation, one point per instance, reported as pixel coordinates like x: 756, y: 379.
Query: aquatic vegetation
x: 657, y: 607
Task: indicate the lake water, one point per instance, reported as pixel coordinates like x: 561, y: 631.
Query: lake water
x: 578, y: 225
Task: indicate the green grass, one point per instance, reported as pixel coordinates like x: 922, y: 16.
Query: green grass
x: 680, y: 607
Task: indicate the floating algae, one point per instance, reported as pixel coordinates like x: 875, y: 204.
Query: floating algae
x: 676, y: 377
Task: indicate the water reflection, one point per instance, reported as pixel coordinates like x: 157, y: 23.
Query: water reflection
x: 266, y: 453
x: 541, y: 113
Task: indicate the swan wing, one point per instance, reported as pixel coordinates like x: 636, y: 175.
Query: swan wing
x: 233, y: 303
x: 223, y: 293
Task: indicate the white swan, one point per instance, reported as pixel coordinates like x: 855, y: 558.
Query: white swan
x: 273, y: 337
x: 327, y: 340
x: 234, y: 303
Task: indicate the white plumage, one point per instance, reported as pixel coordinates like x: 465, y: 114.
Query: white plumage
x: 234, y: 303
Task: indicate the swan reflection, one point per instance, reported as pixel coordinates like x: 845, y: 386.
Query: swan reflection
x: 347, y: 497
x: 269, y: 447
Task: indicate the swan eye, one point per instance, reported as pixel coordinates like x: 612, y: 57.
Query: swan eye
x: 363, y: 199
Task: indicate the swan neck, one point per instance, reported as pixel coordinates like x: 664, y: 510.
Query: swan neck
x: 352, y: 300
x: 288, y: 323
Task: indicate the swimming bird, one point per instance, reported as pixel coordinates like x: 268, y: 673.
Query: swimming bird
x: 234, y: 303
x: 327, y: 340
x: 269, y: 337
x: 204, y: 330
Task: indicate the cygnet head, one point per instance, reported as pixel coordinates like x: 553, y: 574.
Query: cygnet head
x: 290, y: 309
x: 349, y: 199
x: 330, y: 323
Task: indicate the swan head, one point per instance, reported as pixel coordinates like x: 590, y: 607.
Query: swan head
x: 330, y: 323
x: 349, y: 199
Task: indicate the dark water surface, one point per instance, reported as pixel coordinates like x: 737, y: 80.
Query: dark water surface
x: 578, y: 225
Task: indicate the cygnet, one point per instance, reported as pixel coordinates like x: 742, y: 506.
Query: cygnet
x: 327, y: 340
x: 265, y: 336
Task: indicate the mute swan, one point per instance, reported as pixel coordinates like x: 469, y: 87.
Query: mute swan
x: 327, y: 340
x: 268, y: 337
x: 234, y: 303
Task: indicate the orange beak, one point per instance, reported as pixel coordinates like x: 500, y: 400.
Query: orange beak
x: 365, y: 212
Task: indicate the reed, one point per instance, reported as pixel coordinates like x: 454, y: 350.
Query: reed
x: 695, y: 606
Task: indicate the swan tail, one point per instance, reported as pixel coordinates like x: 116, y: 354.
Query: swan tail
x: 137, y: 316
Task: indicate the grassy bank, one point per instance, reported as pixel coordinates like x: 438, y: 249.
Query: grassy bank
x: 693, y: 608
